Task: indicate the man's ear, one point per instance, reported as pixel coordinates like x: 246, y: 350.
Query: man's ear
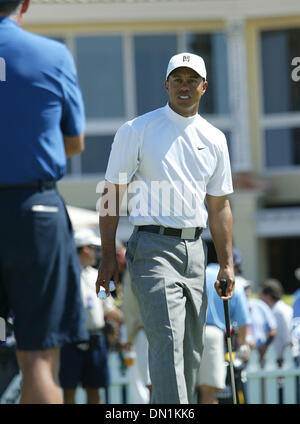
x: 167, y: 85
x: 204, y: 87
x: 25, y: 6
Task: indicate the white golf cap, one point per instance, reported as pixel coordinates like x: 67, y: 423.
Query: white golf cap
x: 188, y: 60
x: 86, y: 237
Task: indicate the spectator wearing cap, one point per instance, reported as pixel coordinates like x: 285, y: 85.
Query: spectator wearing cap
x: 271, y: 292
x: 87, y: 363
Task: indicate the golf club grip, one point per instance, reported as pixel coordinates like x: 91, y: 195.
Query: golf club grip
x: 223, y: 285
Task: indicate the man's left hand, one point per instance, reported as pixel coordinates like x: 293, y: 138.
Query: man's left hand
x: 227, y: 275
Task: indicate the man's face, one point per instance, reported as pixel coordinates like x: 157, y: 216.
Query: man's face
x: 185, y: 88
x: 91, y: 255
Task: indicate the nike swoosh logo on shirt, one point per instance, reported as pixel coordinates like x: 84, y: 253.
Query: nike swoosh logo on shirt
x: 200, y: 148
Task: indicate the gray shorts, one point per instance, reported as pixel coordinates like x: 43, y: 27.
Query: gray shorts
x: 168, y: 278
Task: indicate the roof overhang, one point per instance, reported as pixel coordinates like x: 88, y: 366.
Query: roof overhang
x: 62, y: 11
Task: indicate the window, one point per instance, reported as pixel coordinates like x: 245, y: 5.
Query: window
x: 94, y: 159
x: 100, y: 72
x: 278, y: 48
x: 152, y: 54
x: 281, y: 99
x: 283, y: 147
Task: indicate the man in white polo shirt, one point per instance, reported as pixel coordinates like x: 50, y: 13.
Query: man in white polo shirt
x: 176, y: 166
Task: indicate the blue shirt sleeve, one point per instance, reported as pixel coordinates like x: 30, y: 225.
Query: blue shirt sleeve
x: 73, y: 119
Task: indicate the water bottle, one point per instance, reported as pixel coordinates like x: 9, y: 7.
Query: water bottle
x: 102, y: 293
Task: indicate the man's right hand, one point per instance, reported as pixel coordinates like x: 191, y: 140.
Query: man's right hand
x: 108, y: 271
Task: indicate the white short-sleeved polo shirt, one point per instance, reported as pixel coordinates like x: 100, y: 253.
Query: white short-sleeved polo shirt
x: 170, y: 163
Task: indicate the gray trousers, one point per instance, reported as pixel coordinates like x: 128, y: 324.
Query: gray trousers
x: 168, y: 278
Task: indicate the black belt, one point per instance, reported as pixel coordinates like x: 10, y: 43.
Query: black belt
x: 185, y: 233
x: 41, y: 185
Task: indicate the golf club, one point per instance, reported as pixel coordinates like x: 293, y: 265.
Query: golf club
x: 223, y: 285
x: 262, y: 362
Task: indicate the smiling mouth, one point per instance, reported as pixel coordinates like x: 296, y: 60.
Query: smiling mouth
x: 182, y: 97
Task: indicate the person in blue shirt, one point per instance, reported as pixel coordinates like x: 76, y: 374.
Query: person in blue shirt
x: 238, y: 307
x: 41, y: 124
x: 212, y: 372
